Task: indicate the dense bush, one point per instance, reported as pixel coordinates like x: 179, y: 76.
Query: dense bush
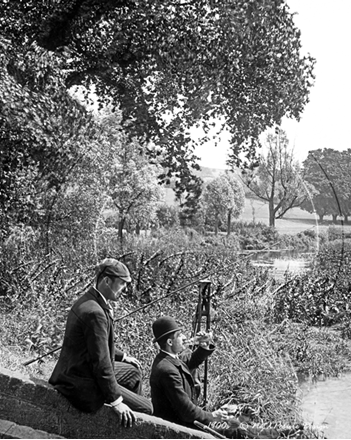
x: 168, y: 216
x: 50, y: 283
x: 255, y: 235
x: 258, y: 236
x: 320, y: 297
x: 337, y: 233
x: 303, y: 240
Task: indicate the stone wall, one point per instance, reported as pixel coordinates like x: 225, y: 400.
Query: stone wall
x: 31, y: 403
x: 12, y: 430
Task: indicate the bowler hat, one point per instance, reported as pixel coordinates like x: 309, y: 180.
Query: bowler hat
x: 164, y: 326
x: 110, y: 266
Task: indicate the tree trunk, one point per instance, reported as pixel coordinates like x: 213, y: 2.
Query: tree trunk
x: 321, y: 217
x: 271, y: 214
x: 346, y: 218
x: 126, y: 226
x: 137, y: 228
x: 335, y: 216
x: 216, y: 226
x: 120, y: 229
x: 229, y: 223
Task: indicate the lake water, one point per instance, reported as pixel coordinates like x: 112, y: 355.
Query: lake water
x: 327, y: 406
x: 282, y: 261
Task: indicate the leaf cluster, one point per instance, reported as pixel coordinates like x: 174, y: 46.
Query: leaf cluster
x: 172, y: 65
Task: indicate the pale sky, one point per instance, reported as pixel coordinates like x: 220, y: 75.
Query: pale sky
x: 326, y: 35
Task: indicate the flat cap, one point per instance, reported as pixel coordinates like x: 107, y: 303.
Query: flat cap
x: 110, y: 266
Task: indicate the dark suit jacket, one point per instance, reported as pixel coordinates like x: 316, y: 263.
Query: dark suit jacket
x: 84, y: 372
x: 172, y: 388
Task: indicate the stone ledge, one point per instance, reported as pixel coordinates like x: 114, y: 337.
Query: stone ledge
x: 12, y: 430
x: 36, y: 404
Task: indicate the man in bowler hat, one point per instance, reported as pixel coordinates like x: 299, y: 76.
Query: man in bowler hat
x: 173, y: 391
x: 90, y: 371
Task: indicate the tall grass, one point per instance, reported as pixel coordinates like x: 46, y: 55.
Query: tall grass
x: 260, y: 349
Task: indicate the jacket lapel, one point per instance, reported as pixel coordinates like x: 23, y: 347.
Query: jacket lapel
x: 111, y: 338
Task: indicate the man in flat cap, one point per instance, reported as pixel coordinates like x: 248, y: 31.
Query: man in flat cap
x: 90, y: 371
x: 173, y: 391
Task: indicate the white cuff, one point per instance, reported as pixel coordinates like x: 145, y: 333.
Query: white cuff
x: 123, y: 358
x: 117, y: 401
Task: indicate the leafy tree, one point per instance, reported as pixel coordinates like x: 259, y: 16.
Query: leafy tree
x: 168, y: 216
x: 144, y: 216
x: 320, y: 204
x: 329, y: 171
x: 223, y: 199
x: 189, y: 192
x: 113, y: 171
x: 44, y: 135
x: 237, y: 206
x: 129, y: 178
x: 194, y: 62
x: 76, y: 213
x: 277, y: 178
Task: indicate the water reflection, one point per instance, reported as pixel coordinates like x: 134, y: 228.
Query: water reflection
x: 326, y: 405
x: 281, y: 262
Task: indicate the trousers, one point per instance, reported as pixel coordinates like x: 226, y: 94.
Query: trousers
x: 130, y: 381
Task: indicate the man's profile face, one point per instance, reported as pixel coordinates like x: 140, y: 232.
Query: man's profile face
x: 115, y: 287
x: 178, y: 342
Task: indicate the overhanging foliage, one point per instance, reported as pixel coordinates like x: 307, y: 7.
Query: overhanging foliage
x: 196, y: 61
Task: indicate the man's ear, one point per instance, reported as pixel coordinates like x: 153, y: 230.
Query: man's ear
x: 170, y: 341
x: 107, y: 280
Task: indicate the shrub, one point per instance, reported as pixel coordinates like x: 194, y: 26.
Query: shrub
x: 255, y: 235
x: 168, y: 216
x: 335, y: 233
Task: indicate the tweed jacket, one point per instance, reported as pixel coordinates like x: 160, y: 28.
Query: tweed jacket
x: 84, y: 372
x: 172, y: 388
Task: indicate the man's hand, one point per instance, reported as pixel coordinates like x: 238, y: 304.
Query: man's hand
x: 230, y: 408
x: 133, y: 361
x: 203, y: 339
x: 125, y: 414
x: 231, y: 411
x: 220, y: 415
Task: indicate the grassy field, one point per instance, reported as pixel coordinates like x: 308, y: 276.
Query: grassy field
x: 296, y: 220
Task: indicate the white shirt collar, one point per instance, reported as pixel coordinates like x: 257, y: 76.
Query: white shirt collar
x: 175, y: 356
